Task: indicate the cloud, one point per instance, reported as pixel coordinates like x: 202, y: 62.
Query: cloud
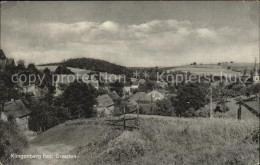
x: 206, y: 33
x: 156, y: 42
x: 109, y: 26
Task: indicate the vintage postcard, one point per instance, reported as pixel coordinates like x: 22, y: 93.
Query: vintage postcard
x: 129, y: 82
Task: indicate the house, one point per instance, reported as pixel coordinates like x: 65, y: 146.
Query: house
x: 140, y: 97
x: 141, y: 81
x: 110, y: 78
x: 133, y: 80
x: 143, y: 101
x: 158, y: 94
x: 3, y: 117
x: 17, y: 110
x: 127, y: 90
x: 62, y: 81
x: 135, y: 85
x: 162, y: 84
x: 113, y: 95
x: 105, y: 105
x: 34, y: 89
x: 94, y: 83
x: 251, y: 77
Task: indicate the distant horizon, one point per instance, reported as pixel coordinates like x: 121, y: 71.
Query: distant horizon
x: 197, y: 63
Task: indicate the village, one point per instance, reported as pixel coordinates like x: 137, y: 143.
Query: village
x: 144, y: 92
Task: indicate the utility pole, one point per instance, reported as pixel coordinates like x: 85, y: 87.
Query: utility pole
x: 239, y: 112
x: 124, y: 119
x: 211, y: 109
x: 137, y: 110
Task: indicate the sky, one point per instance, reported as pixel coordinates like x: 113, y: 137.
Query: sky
x: 132, y: 34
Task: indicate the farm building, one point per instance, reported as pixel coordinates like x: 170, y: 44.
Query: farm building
x: 158, y: 94
x: 127, y: 90
x: 105, y: 105
x: 142, y: 97
x: 141, y: 81
x: 135, y: 85
x: 18, y: 111
x: 113, y: 95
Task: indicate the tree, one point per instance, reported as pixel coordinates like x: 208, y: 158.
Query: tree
x: 21, y: 65
x: 191, y: 96
x: 79, y: 98
x: 117, y: 87
x: 44, y: 116
x: 164, y: 108
x: 7, y: 90
x: 63, y: 70
x: 11, y: 141
x: 147, y: 86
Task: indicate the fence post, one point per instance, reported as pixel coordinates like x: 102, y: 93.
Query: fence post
x: 137, y: 111
x: 239, y: 112
x: 124, y: 119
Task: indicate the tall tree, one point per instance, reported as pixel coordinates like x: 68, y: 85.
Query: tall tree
x: 191, y: 96
x: 79, y: 97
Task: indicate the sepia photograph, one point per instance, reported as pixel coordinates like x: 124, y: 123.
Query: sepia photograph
x: 129, y: 82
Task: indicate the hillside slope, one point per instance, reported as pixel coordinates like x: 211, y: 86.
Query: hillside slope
x: 93, y: 64
x: 160, y: 140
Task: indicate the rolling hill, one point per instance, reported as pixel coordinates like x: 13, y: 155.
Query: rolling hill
x: 160, y: 140
x: 93, y: 64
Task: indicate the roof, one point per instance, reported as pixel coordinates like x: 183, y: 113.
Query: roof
x: 105, y: 100
x: 141, y: 81
x: 113, y: 95
x: 133, y: 79
x: 141, y: 96
x: 2, y: 55
x: 16, y: 108
x: 163, y: 91
x: 135, y: 83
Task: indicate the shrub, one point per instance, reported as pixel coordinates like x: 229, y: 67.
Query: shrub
x: 11, y: 141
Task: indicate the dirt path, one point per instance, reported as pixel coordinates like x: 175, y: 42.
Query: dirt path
x: 48, y: 154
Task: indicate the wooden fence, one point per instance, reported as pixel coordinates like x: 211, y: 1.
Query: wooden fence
x: 252, y: 110
x: 127, y: 119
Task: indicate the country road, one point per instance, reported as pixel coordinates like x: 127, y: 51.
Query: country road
x: 48, y: 154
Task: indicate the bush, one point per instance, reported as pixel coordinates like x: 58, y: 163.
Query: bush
x: 45, y: 116
x: 11, y: 141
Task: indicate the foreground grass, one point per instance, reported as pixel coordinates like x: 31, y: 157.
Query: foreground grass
x: 160, y: 140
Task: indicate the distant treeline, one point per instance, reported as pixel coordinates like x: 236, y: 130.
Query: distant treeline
x: 94, y: 65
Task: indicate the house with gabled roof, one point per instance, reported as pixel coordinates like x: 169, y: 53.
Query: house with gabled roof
x: 105, y: 105
x: 141, y: 81
x: 158, y: 94
x: 113, y: 95
x: 17, y: 110
x: 140, y: 97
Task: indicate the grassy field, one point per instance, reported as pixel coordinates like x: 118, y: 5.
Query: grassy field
x: 54, y: 67
x: 205, y: 69
x: 245, y: 114
x: 160, y: 140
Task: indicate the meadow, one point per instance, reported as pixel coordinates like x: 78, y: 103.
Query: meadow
x: 160, y: 140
